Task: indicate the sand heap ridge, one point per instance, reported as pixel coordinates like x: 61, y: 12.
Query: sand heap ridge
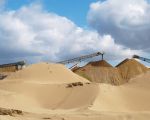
x: 101, y: 72
x: 101, y: 63
x: 45, y: 86
x: 130, y: 68
x: 48, y: 73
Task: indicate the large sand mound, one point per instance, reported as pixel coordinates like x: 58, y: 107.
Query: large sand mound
x: 46, y: 86
x: 44, y: 72
x: 133, y: 96
x: 101, y: 63
x: 130, y: 68
x: 101, y: 72
x: 26, y: 90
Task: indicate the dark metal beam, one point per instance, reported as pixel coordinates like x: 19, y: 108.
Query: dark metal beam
x: 79, y: 59
x: 141, y: 58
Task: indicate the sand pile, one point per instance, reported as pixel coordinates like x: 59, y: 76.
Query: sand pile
x: 130, y: 68
x: 45, y: 86
x: 101, y: 63
x: 40, y: 90
x: 103, y: 72
x: 133, y: 96
x: 44, y: 72
x: 100, y: 72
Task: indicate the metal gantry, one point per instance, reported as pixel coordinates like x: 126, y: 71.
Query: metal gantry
x: 141, y: 58
x: 81, y: 58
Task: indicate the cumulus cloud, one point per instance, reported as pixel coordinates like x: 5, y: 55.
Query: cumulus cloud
x: 34, y: 34
x: 127, y: 21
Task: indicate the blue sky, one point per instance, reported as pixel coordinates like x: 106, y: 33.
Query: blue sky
x: 32, y: 33
x: 75, y: 10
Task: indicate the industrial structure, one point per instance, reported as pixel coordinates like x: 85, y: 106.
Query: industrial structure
x: 81, y: 58
x: 12, y: 67
x: 77, y: 60
x: 141, y: 58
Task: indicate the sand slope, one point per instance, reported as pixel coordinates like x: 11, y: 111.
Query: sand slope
x: 130, y: 68
x: 51, y: 96
x: 103, y: 72
x: 100, y: 72
x: 48, y: 73
x: 45, y: 86
x: 59, y: 98
x: 133, y: 96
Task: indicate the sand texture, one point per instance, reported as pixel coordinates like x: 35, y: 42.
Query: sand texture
x: 51, y: 91
x: 130, y: 68
x: 100, y: 72
x: 103, y: 72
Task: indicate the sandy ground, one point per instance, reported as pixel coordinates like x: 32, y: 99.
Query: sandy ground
x: 53, y: 92
x: 90, y: 115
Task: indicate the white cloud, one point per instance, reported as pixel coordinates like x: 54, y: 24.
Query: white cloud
x: 35, y: 34
x: 128, y: 21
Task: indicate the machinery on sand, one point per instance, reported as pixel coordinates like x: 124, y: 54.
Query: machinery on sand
x: 77, y: 60
x: 141, y: 58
